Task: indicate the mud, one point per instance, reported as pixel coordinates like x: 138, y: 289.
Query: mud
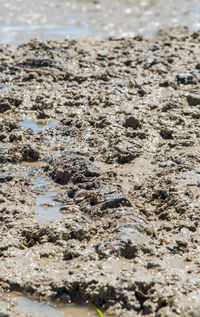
x: 100, y: 175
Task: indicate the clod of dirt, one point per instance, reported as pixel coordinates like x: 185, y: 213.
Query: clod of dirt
x: 131, y: 122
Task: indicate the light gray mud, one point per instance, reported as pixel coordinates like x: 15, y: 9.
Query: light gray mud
x: 123, y: 159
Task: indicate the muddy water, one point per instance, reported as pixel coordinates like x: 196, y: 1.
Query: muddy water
x: 22, y: 20
x: 28, y: 306
x: 25, y: 305
x: 46, y: 207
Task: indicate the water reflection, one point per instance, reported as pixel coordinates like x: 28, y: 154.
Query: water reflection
x: 37, y: 126
x: 22, y: 20
x: 28, y: 306
x: 46, y: 207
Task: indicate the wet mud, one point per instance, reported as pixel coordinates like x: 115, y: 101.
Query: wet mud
x: 100, y: 176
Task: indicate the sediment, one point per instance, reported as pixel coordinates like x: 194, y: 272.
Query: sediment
x: 123, y: 159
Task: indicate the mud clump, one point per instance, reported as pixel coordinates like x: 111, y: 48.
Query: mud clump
x: 121, y: 163
x: 30, y: 153
x: 131, y: 122
x: 73, y: 168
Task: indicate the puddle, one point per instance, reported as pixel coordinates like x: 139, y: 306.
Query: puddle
x: 28, y: 306
x: 37, y: 126
x: 46, y: 207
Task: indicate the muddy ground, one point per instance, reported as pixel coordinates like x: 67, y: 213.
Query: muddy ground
x: 100, y: 174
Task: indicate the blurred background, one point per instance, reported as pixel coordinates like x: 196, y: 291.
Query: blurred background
x: 21, y: 20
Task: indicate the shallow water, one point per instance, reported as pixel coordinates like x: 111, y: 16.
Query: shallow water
x: 46, y: 207
x: 22, y: 20
x: 25, y: 306
x: 37, y: 126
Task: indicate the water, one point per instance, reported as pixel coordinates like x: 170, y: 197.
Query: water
x: 47, y: 209
x: 45, y: 206
x: 21, y: 20
x: 37, y: 126
x: 27, y: 306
